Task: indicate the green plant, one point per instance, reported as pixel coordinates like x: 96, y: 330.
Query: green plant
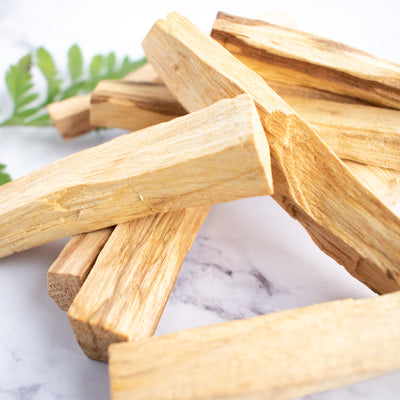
x: 28, y: 111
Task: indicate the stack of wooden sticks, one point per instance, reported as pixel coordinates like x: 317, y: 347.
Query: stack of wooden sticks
x: 271, y: 110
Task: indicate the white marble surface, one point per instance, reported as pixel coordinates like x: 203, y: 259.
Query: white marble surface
x: 250, y: 257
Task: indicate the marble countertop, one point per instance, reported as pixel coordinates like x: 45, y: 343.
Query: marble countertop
x: 250, y: 257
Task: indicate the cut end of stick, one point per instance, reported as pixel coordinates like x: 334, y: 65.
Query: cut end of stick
x: 94, y: 339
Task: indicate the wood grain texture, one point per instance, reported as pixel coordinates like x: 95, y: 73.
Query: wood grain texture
x: 280, y: 356
x: 278, y: 53
x: 132, y: 105
x: 343, y: 218
x: 129, y: 286
x: 71, y: 116
x: 215, y: 155
x: 66, y: 275
x: 383, y: 183
x: 365, y: 134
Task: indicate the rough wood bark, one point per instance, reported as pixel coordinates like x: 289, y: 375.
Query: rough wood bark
x: 343, y: 218
x: 326, y: 64
x: 284, y: 355
x: 360, y: 133
x: 66, y: 275
x: 215, y: 155
x: 128, y: 287
x: 71, y: 116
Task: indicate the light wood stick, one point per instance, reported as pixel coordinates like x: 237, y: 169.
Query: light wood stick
x: 132, y: 105
x: 66, y: 275
x: 383, y: 183
x: 326, y: 64
x: 280, y: 356
x: 215, y: 155
x: 71, y: 116
x: 310, y: 182
x: 128, y: 287
x: 360, y: 133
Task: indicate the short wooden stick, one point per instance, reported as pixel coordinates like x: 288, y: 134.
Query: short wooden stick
x: 71, y: 116
x: 280, y: 356
x: 215, y: 155
x: 128, y: 287
x: 66, y: 275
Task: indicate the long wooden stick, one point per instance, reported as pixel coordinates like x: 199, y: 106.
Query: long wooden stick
x: 326, y: 64
x: 69, y: 271
x: 71, y: 116
x: 311, y: 183
x: 360, y: 133
x: 128, y: 287
x: 280, y: 356
x: 216, y: 155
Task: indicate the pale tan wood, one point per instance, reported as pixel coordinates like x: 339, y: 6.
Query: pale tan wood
x: 71, y: 116
x: 280, y: 356
x: 344, y: 219
x: 66, y: 275
x: 360, y: 133
x: 132, y: 105
x: 128, y: 287
x: 215, y: 155
x: 383, y: 183
x: 302, y: 58
x: 365, y: 134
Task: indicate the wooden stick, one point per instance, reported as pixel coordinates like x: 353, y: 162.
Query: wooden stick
x: 216, y: 155
x: 310, y: 182
x: 132, y: 105
x: 66, y: 275
x: 280, y: 356
x: 128, y: 288
x: 72, y: 116
x: 326, y: 64
x: 383, y: 183
x: 360, y: 133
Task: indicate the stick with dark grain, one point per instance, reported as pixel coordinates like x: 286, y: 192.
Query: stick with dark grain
x: 218, y: 154
x: 344, y: 219
x: 326, y: 65
x: 71, y: 116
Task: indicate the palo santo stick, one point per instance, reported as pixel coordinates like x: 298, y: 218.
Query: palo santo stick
x: 71, y: 116
x: 383, y: 183
x: 310, y: 182
x: 215, y: 155
x: 279, y: 356
x: 132, y: 105
x: 326, y: 64
x: 128, y: 287
x: 360, y: 133
x: 66, y: 275
x: 365, y: 134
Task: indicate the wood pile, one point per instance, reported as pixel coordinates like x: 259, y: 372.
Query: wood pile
x: 253, y: 109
